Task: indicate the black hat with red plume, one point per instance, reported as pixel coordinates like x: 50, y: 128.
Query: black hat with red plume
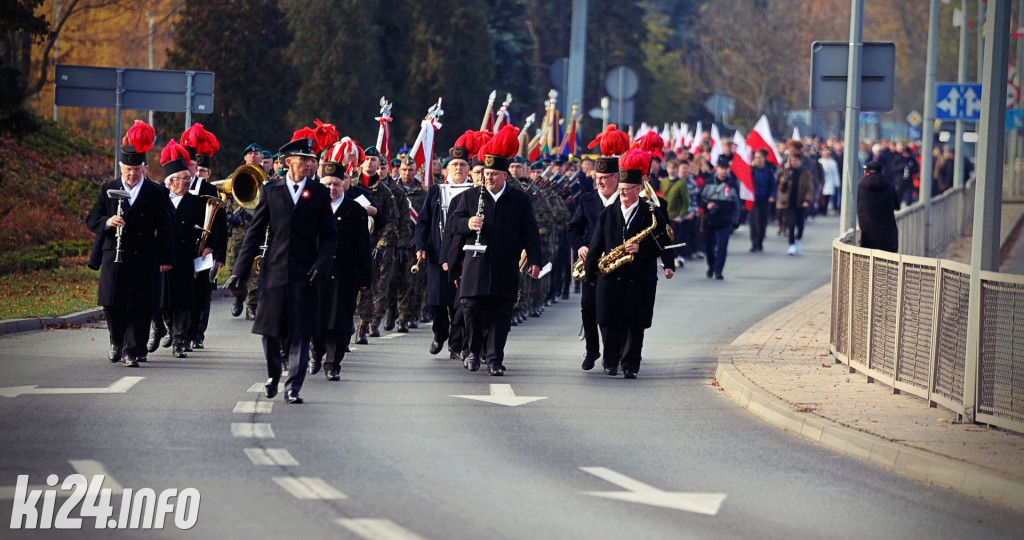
x: 633, y: 165
x: 174, y: 158
x: 200, y: 144
x: 501, y: 148
x: 136, y: 142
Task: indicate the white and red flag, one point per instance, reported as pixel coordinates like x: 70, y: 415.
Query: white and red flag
x: 384, y: 133
x: 695, y: 141
x: 716, y: 145
x: 740, y: 167
x: 422, y: 151
x: 761, y: 139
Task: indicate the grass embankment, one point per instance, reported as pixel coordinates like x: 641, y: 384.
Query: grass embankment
x: 49, y: 292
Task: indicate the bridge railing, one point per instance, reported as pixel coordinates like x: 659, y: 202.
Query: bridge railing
x: 901, y: 319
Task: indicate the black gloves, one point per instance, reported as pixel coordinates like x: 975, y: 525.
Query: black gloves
x: 232, y: 282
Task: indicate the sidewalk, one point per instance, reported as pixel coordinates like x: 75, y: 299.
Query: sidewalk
x: 780, y: 370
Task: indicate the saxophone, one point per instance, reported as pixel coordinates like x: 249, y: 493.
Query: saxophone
x: 618, y: 256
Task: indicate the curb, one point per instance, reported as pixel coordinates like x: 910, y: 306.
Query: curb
x: 926, y: 466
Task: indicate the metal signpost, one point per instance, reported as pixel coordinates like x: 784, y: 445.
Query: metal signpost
x: 134, y: 89
x: 622, y: 84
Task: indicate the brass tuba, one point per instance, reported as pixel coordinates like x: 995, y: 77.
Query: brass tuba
x: 213, y: 204
x: 244, y: 185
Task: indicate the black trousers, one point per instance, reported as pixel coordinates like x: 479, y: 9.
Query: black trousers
x: 298, y: 360
x: 622, y: 347
x: 200, y: 316
x: 716, y: 247
x: 796, y: 217
x: 128, y: 328
x: 333, y: 343
x: 488, y: 321
x: 174, y: 322
x: 759, y: 223
x: 448, y: 325
x: 589, y: 312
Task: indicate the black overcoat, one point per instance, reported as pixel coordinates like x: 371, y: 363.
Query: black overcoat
x: 509, y: 228
x: 581, y: 230
x: 179, y: 281
x: 625, y: 297
x: 429, y: 236
x: 303, y: 237
x: 350, y: 267
x: 146, y: 244
x: 877, y: 202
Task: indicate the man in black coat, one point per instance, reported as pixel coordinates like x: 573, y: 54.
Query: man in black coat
x: 877, y: 203
x: 303, y: 236
x: 431, y: 229
x: 625, y: 295
x: 216, y: 244
x: 348, y: 274
x: 126, y: 288
x: 501, y: 219
x: 580, y: 233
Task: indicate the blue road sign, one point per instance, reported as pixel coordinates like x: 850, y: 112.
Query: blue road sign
x: 1014, y: 120
x: 958, y: 101
x: 914, y: 133
x: 869, y: 118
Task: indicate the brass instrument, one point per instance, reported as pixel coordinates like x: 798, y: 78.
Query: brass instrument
x: 619, y: 256
x: 213, y: 204
x: 652, y: 199
x: 263, y: 253
x: 121, y: 195
x: 244, y: 185
x: 579, y: 269
x: 415, y: 269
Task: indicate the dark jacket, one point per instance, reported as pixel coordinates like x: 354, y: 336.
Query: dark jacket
x: 350, y: 267
x: 877, y: 203
x: 509, y: 228
x: 303, y: 237
x: 794, y: 179
x: 146, y: 244
x: 179, y: 281
x: 765, y: 185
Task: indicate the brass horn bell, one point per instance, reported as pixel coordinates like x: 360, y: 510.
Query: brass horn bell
x: 244, y: 185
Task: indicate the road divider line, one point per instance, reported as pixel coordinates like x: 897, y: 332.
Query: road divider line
x: 253, y: 407
x: 378, y: 529
x: 251, y: 430
x: 393, y: 336
x: 85, y: 467
x: 270, y: 456
x: 309, y: 488
x: 258, y: 387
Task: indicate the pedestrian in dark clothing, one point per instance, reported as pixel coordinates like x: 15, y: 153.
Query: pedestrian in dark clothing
x: 721, y: 204
x: 876, y: 205
x: 763, y: 176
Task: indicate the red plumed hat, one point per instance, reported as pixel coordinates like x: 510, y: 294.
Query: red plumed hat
x: 346, y: 153
x: 503, y: 146
x: 325, y: 135
x: 465, y: 146
x: 174, y: 158
x: 633, y: 165
x: 200, y: 143
x: 303, y: 133
x: 137, y: 141
x: 651, y: 143
x: 613, y: 141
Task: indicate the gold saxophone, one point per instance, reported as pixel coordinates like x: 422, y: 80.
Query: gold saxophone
x: 619, y: 256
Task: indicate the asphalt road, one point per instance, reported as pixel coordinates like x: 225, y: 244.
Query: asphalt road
x: 390, y: 452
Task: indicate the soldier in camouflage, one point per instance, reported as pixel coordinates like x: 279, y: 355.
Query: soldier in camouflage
x: 414, y: 286
x: 384, y: 242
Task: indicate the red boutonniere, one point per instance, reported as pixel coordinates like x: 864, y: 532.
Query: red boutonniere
x: 305, y: 194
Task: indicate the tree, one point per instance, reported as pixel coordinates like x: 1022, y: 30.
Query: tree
x: 20, y: 27
x: 673, y: 86
x: 514, y: 49
x: 242, y: 42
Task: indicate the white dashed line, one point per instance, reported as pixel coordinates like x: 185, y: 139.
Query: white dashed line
x: 309, y: 488
x: 392, y: 336
x: 258, y: 387
x: 251, y: 430
x: 270, y: 456
x: 378, y: 529
x: 253, y: 407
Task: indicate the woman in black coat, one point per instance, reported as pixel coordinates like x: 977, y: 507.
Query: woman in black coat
x: 877, y: 203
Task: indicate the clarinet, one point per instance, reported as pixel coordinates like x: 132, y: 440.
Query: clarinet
x: 119, y: 233
x: 479, y: 214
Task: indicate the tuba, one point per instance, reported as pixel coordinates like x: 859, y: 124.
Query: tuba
x: 244, y: 185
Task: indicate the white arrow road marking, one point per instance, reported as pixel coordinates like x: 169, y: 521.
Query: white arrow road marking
x: 253, y: 407
x: 392, y: 336
x: 120, y: 386
x: 502, y: 394
x: 85, y: 467
x: 307, y: 487
x: 270, y: 456
x: 638, y: 492
x: 258, y: 387
x: 251, y: 430
x: 378, y: 529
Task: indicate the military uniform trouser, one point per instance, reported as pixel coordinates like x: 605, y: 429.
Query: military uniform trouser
x: 412, y: 293
x: 251, y: 288
x: 386, y: 270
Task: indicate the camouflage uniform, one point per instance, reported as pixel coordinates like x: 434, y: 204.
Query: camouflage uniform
x: 542, y: 211
x: 396, y: 282
x: 383, y: 242
x: 560, y: 218
x: 416, y: 284
x: 235, y: 214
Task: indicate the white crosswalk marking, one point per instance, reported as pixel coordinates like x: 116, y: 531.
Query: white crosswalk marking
x: 270, y: 456
x: 307, y: 487
x: 253, y: 407
x: 258, y: 387
x: 251, y: 430
x: 378, y: 529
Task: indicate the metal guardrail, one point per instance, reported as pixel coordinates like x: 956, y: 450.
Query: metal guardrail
x: 901, y: 319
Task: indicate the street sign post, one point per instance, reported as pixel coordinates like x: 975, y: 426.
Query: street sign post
x: 829, y: 61
x: 958, y: 101
x: 622, y: 84
x: 135, y: 89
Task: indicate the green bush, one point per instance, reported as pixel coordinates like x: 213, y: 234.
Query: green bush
x: 48, y: 256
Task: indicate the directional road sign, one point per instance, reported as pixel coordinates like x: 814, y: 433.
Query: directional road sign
x: 958, y: 101
x: 829, y: 60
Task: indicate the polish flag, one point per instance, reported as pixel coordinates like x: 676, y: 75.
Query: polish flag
x: 740, y: 166
x: 761, y: 138
x: 695, y: 142
x: 423, y: 149
x: 716, y: 145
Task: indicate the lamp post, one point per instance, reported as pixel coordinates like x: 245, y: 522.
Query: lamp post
x: 151, y: 16
x: 57, y: 7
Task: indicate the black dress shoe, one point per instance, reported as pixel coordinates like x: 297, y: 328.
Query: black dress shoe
x: 611, y: 372
x: 629, y: 374
x: 291, y: 396
x: 250, y: 314
x: 187, y: 346
x: 435, y: 347
x: 403, y: 328
x: 710, y: 273
x: 719, y: 276
x: 166, y: 341
x: 589, y: 359
x: 495, y: 369
x: 141, y: 359
x: 236, y: 307
x: 129, y: 361
x: 198, y: 344
x: 315, y: 365
x: 474, y: 362
x: 114, y: 354
x: 178, y: 351
x: 270, y: 389
x: 333, y: 375
x: 374, y: 331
